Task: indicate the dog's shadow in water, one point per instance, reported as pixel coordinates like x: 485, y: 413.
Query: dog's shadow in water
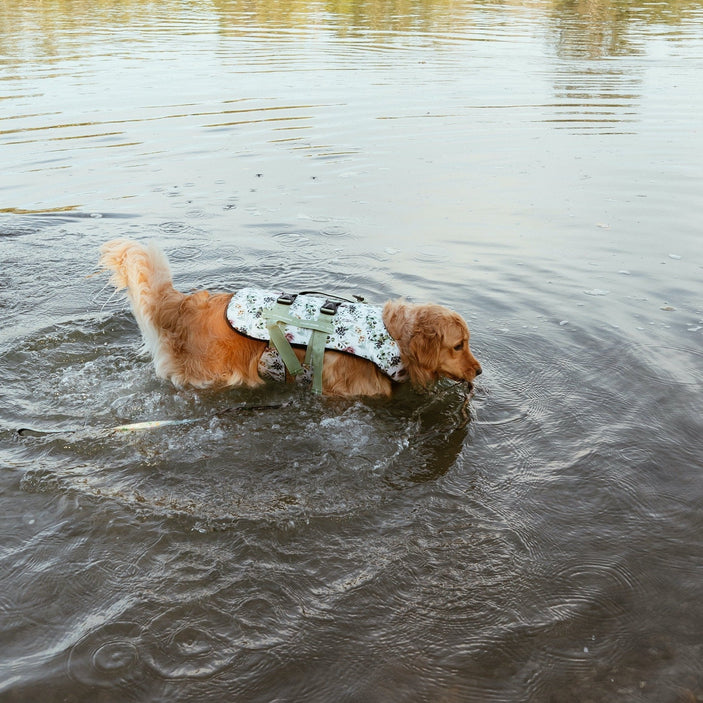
x: 441, y: 425
x: 435, y: 426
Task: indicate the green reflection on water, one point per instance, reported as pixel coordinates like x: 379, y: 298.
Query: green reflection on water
x: 28, y: 27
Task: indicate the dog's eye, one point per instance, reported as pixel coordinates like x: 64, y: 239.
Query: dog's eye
x: 459, y: 347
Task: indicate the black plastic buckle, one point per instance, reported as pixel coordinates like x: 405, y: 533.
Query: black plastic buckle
x: 287, y: 298
x: 330, y: 307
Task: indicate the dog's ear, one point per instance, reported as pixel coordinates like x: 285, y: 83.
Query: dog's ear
x: 415, y: 329
x: 399, y: 320
x: 424, y: 350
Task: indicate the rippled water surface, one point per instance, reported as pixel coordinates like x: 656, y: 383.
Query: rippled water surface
x: 537, y: 167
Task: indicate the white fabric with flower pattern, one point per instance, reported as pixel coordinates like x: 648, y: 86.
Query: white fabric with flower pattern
x: 358, y: 328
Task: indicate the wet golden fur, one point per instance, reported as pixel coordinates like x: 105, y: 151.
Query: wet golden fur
x: 193, y: 345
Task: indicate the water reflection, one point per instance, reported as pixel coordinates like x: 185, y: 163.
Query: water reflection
x: 580, y: 28
x: 595, y: 29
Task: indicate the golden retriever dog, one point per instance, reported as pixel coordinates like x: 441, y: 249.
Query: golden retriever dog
x: 193, y: 343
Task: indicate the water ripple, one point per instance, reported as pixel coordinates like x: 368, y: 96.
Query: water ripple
x: 175, y: 227
x: 191, y: 641
x: 108, y: 656
x: 335, y: 231
x: 593, y: 590
x: 293, y: 239
x: 186, y: 252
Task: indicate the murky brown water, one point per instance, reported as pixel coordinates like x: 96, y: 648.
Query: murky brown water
x: 535, y: 166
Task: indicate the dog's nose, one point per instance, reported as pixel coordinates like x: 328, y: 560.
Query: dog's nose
x: 479, y: 371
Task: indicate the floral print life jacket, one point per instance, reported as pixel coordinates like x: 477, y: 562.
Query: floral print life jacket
x: 358, y: 329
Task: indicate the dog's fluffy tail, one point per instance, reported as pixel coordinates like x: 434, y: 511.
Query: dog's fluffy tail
x: 188, y: 336
x: 145, y: 274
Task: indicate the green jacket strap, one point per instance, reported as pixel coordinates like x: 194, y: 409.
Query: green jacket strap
x: 277, y: 318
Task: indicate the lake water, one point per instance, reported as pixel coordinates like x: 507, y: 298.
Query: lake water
x: 538, y: 167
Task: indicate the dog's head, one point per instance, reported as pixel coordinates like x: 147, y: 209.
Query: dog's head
x: 433, y: 341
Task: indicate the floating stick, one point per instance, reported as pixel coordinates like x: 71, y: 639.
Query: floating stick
x: 139, y: 426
